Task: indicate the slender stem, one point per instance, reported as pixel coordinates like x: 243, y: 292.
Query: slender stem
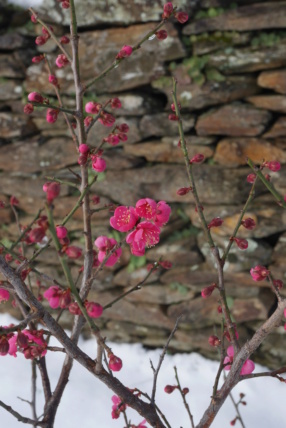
x: 34, y: 390
x: 189, y: 167
x: 68, y: 183
x: 19, y: 417
x: 26, y: 230
x: 239, y: 417
x: 63, y: 109
x: 184, y: 398
x: 161, y: 359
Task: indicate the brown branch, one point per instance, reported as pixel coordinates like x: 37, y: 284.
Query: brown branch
x: 19, y: 417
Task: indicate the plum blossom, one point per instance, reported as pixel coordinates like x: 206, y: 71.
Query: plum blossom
x: 146, y: 234
x: 259, y: 273
x: 105, y: 245
x: 247, y: 367
x: 124, y: 219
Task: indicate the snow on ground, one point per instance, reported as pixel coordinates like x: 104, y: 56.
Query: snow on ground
x: 87, y: 403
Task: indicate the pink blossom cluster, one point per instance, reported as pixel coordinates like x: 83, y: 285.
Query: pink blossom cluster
x: 169, y: 10
x: 41, y: 40
x: 30, y: 342
x: 145, y: 233
x: 247, y: 367
x: 59, y: 298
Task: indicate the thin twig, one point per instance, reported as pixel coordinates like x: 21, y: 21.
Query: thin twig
x: 161, y: 359
x: 184, y: 398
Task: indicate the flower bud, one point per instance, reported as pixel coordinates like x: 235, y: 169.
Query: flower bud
x: 207, y: 292
x: 185, y: 391
x: 216, y: 222
x: 64, y: 40
x: 248, y: 223
x: 214, y: 341
x: 183, y: 191
x: 28, y: 108
x: 251, y: 178
x: 181, y: 17
x: 169, y: 389
x: 61, y: 232
x: 173, y: 117
x: 278, y: 284
x: 53, y: 79
x: 41, y: 40
x: 35, y: 97
x: 115, y: 363
x: 198, y: 158
x: 161, y: 34
x: 274, y: 166
x: 241, y: 243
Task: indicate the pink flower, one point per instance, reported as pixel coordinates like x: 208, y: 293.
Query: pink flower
x: 112, y: 139
x: 123, y: 128
x: 98, y: 164
x: 53, y: 295
x: 124, y: 219
x: 64, y: 40
x: 4, y: 295
x: 84, y: 149
x: 259, y: 273
x: 146, y: 208
x: 35, y: 97
x: 37, y: 59
x: 62, y: 61
x: 146, y: 234
x: 124, y: 52
x: 92, y: 108
x: 247, y: 367
x: 105, y: 245
x: 117, y: 407
x: 94, y: 310
x: 115, y: 363
x: 142, y: 424
x: 162, y: 215
x: 168, y: 10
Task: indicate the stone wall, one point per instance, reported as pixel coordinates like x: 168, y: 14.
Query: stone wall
x: 230, y: 62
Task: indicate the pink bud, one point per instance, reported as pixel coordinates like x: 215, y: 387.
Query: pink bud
x: 92, y: 107
x: 168, y: 9
x: 259, y: 273
x: 41, y: 40
x: 124, y: 52
x: 66, y: 4
x: 123, y: 128
x: 115, y: 363
x: 94, y: 310
x: 95, y: 199
x: 183, y: 191
x: 185, y: 391
x: 37, y: 59
x: 169, y: 389
x: 87, y: 121
x: 62, y: 61
x: 116, y: 103
x: 53, y: 80
x: 241, y: 243
x: 22, y: 340
x: 272, y: 165
x: 4, y: 295
x: 173, y: 117
x: 64, y: 40
x: 99, y: 164
x: 161, y: 34
x: 84, y: 149
x: 14, y: 201
x: 73, y: 252
x: 37, y: 234
x: 278, y: 283
x: 173, y: 108
x: 216, y: 222
x: 207, y: 292
x: 248, y: 223
x: 251, y: 178
x: 198, y: 158
x: 52, y: 115
x: 4, y: 346
x: 181, y: 17
x: 35, y: 97
x: 82, y: 160
x: 34, y: 19
x: 28, y: 108
x: 61, y: 232
x: 214, y: 341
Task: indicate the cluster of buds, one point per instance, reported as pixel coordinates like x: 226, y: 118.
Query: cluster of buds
x: 30, y: 342
x: 169, y: 10
x: 145, y: 233
x: 171, y: 388
x: 119, y: 134
x: 41, y: 40
x: 59, y: 298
